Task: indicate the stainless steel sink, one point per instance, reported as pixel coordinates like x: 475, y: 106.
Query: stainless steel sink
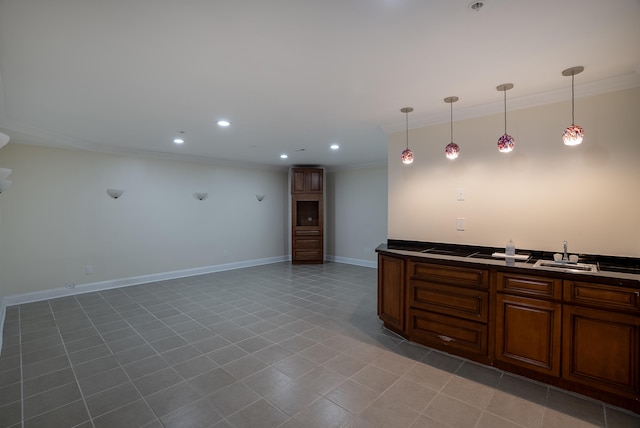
x: 566, y: 266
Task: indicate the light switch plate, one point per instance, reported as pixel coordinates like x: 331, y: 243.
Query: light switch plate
x: 460, y: 223
x: 460, y: 194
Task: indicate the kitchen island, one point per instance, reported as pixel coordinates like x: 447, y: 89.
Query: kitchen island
x: 578, y: 330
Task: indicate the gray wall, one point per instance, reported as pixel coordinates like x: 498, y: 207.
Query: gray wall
x: 57, y: 218
x: 357, y: 214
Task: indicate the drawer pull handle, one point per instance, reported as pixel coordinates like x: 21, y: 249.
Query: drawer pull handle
x: 445, y: 338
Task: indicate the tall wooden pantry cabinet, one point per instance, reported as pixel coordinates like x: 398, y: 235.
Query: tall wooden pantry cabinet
x: 307, y: 222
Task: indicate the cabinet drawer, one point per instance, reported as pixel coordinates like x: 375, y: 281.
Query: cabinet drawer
x: 449, y: 300
x: 308, y: 254
x: 308, y: 243
x: 444, y: 332
x: 450, y: 275
x: 602, y: 295
x: 529, y: 285
x: 303, y: 232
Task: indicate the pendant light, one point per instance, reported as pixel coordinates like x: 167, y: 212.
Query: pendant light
x: 573, y: 135
x: 452, y: 150
x: 407, y: 154
x: 506, y: 142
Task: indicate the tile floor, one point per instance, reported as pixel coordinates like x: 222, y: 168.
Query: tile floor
x: 269, y: 346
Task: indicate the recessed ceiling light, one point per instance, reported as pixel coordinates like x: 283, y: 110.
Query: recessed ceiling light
x: 224, y: 123
x: 334, y: 147
x: 180, y: 138
x: 284, y: 156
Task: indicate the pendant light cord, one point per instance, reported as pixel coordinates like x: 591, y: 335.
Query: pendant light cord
x: 406, y: 115
x: 573, y: 119
x: 505, y: 111
x: 451, y: 121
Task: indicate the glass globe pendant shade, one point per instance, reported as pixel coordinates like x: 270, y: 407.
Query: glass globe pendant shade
x: 407, y: 156
x: 452, y: 150
x: 506, y: 143
x: 573, y: 135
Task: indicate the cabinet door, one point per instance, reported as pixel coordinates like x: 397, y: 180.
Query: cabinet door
x: 601, y: 349
x: 307, y: 180
x: 298, y: 181
x: 314, y: 181
x: 528, y: 333
x: 391, y: 299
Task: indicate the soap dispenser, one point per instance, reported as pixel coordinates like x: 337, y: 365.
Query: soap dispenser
x: 510, y: 249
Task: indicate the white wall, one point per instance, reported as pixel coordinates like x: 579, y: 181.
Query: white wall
x: 356, y: 213
x: 540, y: 194
x: 57, y: 217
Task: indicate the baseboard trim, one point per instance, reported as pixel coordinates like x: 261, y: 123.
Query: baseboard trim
x: 3, y: 312
x: 349, y: 261
x: 36, y: 296
x: 19, y: 299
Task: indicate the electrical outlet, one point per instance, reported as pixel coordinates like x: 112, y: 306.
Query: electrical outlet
x: 460, y: 223
x: 88, y: 270
x: 460, y: 194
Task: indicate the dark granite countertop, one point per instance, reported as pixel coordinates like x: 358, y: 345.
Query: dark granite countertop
x: 614, y: 267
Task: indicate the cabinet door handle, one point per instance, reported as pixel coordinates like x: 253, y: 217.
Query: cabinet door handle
x: 445, y: 338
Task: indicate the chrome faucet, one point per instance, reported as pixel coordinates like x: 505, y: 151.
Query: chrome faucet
x: 565, y: 255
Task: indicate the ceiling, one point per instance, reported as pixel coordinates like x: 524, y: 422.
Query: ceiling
x: 293, y: 76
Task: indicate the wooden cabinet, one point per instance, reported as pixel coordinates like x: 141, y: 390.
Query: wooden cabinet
x: 391, y: 292
x: 448, y: 308
x: 307, y: 180
x: 578, y: 332
x: 307, y: 215
x: 601, y: 333
x: 528, y: 324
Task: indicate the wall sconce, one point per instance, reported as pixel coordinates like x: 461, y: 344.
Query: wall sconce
x: 115, y: 193
x: 260, y: 197
x: 201, y: 196
x: 4, y: 173
x: 4, y: 184
x: 4, y: 139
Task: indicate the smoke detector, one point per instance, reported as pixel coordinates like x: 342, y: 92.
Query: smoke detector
x: 476, y: 6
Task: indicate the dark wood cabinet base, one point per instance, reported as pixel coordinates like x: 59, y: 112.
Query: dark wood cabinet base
x: 579, y: 335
